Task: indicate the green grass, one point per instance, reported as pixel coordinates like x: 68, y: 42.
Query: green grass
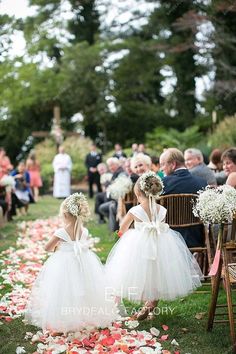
x: 179, y: 315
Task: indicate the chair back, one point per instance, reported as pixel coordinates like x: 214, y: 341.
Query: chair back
x: 124, y: 204
x: 130, y: 200
x: 179, y: 209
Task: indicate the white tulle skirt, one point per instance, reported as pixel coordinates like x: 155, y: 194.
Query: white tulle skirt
x: 141, y: 267
x: 70, y: 293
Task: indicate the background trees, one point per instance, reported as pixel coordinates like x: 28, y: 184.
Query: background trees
x: 133, y: 75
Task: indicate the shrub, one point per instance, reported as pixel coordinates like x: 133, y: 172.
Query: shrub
x: 224, y: 135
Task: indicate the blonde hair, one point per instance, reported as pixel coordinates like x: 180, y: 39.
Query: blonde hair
x: 150, y: 185
x: 140, y: 157
x: 76, y: 206
x: 174, y: 155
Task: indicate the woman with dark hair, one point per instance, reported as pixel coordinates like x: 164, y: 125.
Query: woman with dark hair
x: 215, y: 163
x: 229, y: 166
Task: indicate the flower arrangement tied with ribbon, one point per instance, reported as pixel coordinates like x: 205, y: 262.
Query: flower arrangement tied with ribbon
x: 216, y: 205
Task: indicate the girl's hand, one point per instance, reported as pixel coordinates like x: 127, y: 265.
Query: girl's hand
x: 119, y: 233
x: 126, y: 222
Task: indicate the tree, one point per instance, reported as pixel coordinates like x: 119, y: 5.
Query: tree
x: 174, y: 25
x: 223, y: 17
x: 136, y: 92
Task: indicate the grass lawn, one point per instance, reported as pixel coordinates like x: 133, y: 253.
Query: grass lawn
x: 179, y: 315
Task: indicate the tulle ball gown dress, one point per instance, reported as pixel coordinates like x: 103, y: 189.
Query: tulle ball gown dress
x: 70, y: 291
x: 151, y: 261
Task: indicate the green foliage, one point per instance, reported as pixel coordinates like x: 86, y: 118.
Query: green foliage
x: 224, y: 135
x: 116, y: 80
x: 224, y: 56
x: 162, y: 138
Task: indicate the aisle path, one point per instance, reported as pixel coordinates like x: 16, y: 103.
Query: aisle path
x: 20, y: 267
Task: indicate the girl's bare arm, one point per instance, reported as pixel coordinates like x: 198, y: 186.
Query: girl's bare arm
x: 50, y: 246
x: 126, y: 222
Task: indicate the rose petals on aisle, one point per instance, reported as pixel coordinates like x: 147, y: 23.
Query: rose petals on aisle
x: 20, y: 267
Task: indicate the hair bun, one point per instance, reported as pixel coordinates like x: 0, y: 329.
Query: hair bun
x: 151, y: 184
x: 77, y: 205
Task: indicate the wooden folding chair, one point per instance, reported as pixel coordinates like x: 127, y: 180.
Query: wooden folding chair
x: 226, y: 272
x: 180, y: 215
x: 124, y: 204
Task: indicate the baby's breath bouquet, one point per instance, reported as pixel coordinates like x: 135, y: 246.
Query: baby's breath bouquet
x: 120, y: 187
x: 216, y: 205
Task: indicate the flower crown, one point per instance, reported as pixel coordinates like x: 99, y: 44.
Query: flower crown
x: 76, y: 204
x: 146, y: 183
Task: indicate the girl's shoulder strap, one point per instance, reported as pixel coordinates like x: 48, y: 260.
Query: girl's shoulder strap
x: 162, y: 213
x: 62, y: 234
x: 139, y: 212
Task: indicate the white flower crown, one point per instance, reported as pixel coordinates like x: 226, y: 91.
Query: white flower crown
x: 145, y: 183
x: 76, y: 204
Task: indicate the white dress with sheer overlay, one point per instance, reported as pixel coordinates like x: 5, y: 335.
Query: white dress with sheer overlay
x: 70, y: 291
x: 151, y: 261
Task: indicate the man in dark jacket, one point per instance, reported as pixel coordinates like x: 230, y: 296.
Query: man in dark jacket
x: 91, y: 161
x: 179, y: 180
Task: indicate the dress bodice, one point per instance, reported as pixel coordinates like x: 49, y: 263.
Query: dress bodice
x: 155, y: 226
x: 77, y: 246
x: 64, y: 236
x: 141, y: 214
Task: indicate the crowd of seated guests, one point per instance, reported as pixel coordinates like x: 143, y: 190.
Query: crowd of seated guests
x: 15, y: 190
x: 181, y: 172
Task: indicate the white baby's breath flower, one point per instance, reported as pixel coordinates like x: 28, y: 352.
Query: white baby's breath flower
x: 216, y: 205
x: 145, y: 183
x: 120, y: 187
x: 20, y: 350
x: 77, y: 205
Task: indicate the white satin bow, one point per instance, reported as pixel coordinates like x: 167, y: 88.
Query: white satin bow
x: 152, y: 229
x: 80, y: 246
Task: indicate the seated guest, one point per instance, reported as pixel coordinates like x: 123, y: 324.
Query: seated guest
x: 229, y: 166
x: 128, y: 170
x: 140, y: 164
x: 216, y: 166
x: 22, y: 186
x: 109, y: 207
x: 215, y: 163
x: 118, y: 151
x: 105, y: 176
x: 7, y: 185
x: 195, y: 164
x: 102, y: 198
x: 3, y: 201
x: 179, y: 180
x: 156, y: 166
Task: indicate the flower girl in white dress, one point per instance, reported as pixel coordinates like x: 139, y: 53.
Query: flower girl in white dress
x: 70, y: 291
x: 151, y: 261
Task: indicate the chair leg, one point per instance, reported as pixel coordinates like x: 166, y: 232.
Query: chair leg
x: 229, y: 302
x: 205, y: 264
x: 214, y: 296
